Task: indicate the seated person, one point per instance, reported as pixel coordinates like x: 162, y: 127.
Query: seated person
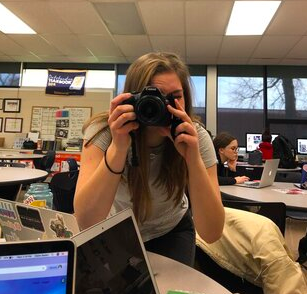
x: 226, y: 148
x: 252, y: 247
x: 266, y: 146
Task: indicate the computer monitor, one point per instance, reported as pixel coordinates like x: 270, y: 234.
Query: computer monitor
x: 301, y: 145
x: 254, y: 139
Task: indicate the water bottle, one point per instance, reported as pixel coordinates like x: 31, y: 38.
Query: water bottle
x: 39, y: 195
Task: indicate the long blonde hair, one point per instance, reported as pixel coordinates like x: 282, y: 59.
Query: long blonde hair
x: 173, y: 174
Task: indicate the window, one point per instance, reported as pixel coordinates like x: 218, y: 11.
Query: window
x: 240, y: 98
x: 287, y: 90
x: 98, y: 79
x: 10, y: 74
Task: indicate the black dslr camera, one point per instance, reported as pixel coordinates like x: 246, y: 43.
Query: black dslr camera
x: 150, y: 107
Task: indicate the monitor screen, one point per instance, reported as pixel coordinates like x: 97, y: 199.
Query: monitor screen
x: 42, y: 273
x: 254, y: 139
x: 113, y: 262
x: 301, y: 146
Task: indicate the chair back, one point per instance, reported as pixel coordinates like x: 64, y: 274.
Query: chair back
x: 46, y: 162
x: 12, y: 164
x: 63, y: 186
x: 275, y: 211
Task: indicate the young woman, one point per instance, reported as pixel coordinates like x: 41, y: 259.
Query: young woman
x: 155, y: 189
x: 226, y: 148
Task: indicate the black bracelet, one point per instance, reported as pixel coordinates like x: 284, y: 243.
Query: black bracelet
x: 110, y: 169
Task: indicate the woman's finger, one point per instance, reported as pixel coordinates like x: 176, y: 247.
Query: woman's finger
x: 118, y: 100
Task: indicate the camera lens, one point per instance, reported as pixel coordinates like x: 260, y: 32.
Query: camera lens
x: 150, y: 110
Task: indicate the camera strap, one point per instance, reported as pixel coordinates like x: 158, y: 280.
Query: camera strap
x: 134, y: 158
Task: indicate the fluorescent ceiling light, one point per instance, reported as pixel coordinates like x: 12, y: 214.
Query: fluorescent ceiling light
x: 11, y: 24
x: 251, y: 17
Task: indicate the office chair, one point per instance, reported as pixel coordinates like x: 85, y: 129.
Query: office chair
x: 45, y: 163
x: 205, y: 264
x: 63, y: 186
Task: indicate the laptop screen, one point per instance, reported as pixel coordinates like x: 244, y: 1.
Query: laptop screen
x: 43, y: 267
x: 34, y: 273
x: 113, y: 262
x: 301, y: 146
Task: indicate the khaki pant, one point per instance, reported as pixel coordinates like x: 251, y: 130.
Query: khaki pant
x: 253, y: 248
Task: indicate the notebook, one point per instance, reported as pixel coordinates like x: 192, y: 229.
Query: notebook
x: 111, y: 258
x: 19, y: 222
x: 42, y: 267
x: 267, y: 177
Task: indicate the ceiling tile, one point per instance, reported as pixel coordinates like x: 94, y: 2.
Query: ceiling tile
x: 26, y: 58
x: 83, y: 59
x: 298, y: 61
x: 80, y: 17
x: 233, y: 46
x: 174, y: 44
x: 290, y: 19
x: 200, y: 60
x: 264, y: 61
x: 275, y: 46
x: 100, y: 45
x: 39, y: 15
x: 111, y: 59
x: 35, y: 44
x: 199, y: 46
x: 53, y: 58
x: 133, y: 45
x: 163, y: 18
x: 207, y: 17
x: 9, y: 47
x: 299, y: 50
x: 233, y: 60
x: 67, y: 44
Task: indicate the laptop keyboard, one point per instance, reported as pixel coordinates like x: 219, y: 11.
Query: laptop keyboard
x: 252, y: 184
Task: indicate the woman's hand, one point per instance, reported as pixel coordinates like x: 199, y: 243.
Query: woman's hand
x: 121, y: 121
x: 241, y: 180
x: 232, y: 164
x: 186, y: 140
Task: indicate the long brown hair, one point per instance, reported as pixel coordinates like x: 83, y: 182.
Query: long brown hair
x: 173, y: 173
x: 222, y: 140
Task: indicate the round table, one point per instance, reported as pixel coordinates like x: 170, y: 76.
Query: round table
x: 173, y: 275
x: 19, y: 156
x: 17, y: 175
x: 269, y: 194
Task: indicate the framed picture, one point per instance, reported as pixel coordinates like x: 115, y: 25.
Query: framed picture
x: 11, y: 105
x: 1, y: 123
x: 13, y: 125
x: 1, y: 104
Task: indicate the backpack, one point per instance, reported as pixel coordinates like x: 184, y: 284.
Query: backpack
x: 284, y: 150
x: 255, y: 157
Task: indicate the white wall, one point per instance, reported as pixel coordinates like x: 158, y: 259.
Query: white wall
x: 99, y: 100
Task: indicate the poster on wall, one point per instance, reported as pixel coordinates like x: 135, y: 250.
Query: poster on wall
x: 65, y: 82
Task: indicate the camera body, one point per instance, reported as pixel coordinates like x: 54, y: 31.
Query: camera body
x: 150, y: 107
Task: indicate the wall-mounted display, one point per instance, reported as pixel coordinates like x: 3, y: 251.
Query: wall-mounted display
x: 13, y: 125
x: 11, y: 105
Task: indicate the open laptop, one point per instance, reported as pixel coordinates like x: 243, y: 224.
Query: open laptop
x: 267, y: 177
x: 19, y: 222
x: 111, y: 258
x: 42, y: 267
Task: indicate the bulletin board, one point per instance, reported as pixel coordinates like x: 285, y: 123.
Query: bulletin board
x: 77, y: 117
x: 43, y: 120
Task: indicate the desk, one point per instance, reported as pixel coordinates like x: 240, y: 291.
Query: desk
x: 268, y: 194
x: 19, y: 156
x: 17, y: 176
x: 173, y: 275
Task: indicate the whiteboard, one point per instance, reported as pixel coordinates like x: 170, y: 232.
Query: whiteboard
x: 43, y: 121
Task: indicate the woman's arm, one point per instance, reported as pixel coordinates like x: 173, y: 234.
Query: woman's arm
x: 97, y: 184
x: 207, y: 208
